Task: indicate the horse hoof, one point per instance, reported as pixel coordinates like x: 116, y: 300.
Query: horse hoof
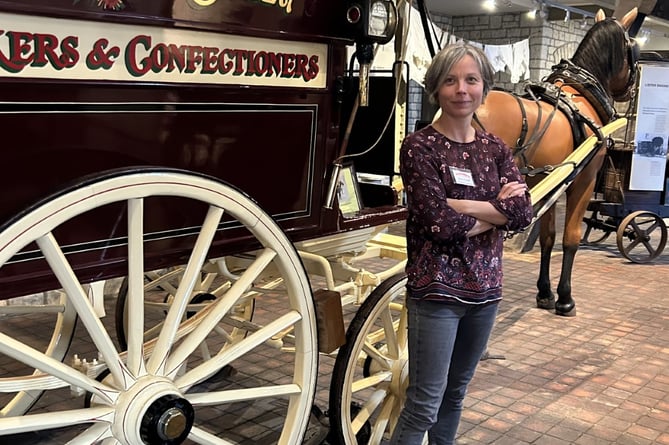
x: 565, y: 310
x: 546, y: 303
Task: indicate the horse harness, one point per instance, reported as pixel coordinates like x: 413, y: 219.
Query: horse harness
x: 587, y: 86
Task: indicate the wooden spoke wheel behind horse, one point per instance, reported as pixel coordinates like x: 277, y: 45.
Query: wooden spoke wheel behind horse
x: 576, y: 100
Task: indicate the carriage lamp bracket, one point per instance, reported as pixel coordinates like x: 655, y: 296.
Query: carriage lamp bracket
x: 364, y: 54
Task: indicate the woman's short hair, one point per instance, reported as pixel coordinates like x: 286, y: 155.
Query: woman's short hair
x: 443, y: 62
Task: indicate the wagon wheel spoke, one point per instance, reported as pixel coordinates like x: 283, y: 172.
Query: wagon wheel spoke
x: 220, y: 308
x: 76, y: 294
x: 638, y: 237
x: 383, y: 421
x: 390, y: 326
x: 159, y: 293
x: 200, y: 436
x: 135, y: 357
x: 93, y: 434
x: 61, y: 374
x: 238, y: 349
x: 596, y: 229
x: 178, y: 307
x: 163, y: 280
x: 238, y: 395
x: 366, y: 411
x: 37, y: 422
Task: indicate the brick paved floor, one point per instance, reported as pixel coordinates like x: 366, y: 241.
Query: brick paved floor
x: 601, y: 377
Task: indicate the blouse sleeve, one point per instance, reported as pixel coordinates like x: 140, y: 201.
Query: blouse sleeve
x: 426, y: 194
x: 518, y: 210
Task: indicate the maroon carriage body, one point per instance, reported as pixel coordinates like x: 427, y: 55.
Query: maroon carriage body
x: 246, y: 91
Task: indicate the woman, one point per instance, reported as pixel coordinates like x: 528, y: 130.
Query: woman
x: 463, y: 192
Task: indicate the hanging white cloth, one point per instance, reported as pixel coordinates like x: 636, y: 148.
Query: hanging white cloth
x: 521, y: 61
x: 500, y: 56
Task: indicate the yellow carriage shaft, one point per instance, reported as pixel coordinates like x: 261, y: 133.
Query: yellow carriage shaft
x: 561, y: 173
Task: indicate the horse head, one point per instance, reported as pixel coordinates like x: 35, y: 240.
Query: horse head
x: 610, y: 55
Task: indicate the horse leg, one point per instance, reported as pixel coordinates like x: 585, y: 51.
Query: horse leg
x: 565, y: 304
x: 578, y: 198
x: 545, y: 297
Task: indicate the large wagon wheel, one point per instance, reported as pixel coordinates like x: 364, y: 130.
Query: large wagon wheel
x: 371, y: 370
x: 153, y: 393
x: 641, y: 236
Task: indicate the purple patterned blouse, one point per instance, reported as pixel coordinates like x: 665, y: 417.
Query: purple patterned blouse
x: 443, y: 263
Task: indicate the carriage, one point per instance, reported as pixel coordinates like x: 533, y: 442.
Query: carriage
x: 195, y: 153
x: 201, y: 154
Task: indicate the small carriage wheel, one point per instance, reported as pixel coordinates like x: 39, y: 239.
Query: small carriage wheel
x: 641, y: 236
x: 154, y: 392
x: 371, y: 369
x: 593, y: 233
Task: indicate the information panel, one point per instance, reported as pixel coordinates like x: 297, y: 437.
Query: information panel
x: 652, y: 129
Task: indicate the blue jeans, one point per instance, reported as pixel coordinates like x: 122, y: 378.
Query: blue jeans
x: 446, y: 342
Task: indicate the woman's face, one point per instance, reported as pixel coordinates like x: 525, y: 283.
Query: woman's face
x: 462, y: 91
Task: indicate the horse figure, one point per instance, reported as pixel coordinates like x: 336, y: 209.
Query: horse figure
x: 583, y: 89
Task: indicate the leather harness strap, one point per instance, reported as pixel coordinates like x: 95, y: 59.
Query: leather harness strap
x: 524, y: 127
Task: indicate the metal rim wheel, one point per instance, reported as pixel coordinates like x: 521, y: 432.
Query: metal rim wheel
x: 641, y: 236
x: 50, y: 311
x: 371, y: 370
x: 154, y: 392
x: 592, y: 233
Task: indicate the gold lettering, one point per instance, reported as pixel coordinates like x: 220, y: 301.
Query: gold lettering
x: 287, y: 4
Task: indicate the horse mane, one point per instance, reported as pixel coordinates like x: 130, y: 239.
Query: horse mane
x: 596, y: 53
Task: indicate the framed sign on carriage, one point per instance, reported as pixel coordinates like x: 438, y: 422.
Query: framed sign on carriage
x: 348, y: 191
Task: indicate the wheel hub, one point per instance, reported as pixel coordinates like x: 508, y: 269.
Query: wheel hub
x: 167, y: 421
x: 152, y: 412
x: 400, y: 379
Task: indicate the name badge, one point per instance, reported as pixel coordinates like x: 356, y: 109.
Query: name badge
x: 462, y: 176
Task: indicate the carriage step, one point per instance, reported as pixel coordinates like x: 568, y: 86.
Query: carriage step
x: 391, y: 246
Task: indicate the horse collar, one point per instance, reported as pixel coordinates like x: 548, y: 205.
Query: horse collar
x: 586, y: 84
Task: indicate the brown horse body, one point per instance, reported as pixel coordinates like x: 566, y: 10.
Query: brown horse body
x: 550, y: 140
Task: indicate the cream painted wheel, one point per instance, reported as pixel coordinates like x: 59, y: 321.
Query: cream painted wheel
x: 371, y: 371
x: 158, y: 391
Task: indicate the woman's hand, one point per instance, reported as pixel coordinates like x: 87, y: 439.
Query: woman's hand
x: 512, y: 189
x: 479, y: 227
